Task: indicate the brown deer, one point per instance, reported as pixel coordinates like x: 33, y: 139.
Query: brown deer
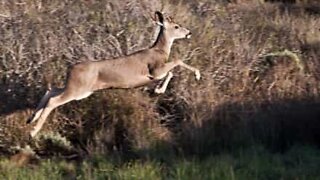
x: 137, y: 69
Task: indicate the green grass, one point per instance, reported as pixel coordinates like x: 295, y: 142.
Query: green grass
x: 300, y: 162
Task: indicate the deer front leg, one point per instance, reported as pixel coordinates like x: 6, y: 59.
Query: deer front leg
x: 170, y: 65
x: 195, y: 70
x: 162, y: 89
x: 164, y: 71
x: 161, y: 72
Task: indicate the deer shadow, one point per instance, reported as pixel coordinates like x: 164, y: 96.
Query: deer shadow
x: 275, y: 125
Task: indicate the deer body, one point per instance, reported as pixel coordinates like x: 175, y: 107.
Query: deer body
x: 130, y: 71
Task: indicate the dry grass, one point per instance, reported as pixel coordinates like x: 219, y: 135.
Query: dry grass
x: 251, y: 56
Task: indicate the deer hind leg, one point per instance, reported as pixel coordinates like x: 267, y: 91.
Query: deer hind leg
x: 43, y: 102
x: 53, y: 103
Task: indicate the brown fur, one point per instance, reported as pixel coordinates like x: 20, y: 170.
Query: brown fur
x: 130, y: 71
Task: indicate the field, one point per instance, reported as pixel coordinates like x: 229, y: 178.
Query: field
x: 253, y: 115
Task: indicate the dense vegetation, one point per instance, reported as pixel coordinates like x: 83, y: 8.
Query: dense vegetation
x: 253, y: 115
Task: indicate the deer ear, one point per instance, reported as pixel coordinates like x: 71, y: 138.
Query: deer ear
x: 169, y: 19
x: 159, y: 17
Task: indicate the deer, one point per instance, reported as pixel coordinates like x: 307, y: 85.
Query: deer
x: 134, y: 70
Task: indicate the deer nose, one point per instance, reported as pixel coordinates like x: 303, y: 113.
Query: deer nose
x: 188, y: 35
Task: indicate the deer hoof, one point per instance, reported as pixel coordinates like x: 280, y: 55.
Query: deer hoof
x: 159, y: 91
x: 198, y: 75
x: 33, y: 134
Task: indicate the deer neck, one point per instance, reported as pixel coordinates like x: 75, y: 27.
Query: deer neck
x: 163, y: 43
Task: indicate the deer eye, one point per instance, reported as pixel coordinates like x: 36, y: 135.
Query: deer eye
x: 176, y: 27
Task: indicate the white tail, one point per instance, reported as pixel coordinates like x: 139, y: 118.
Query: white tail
x: 130, y: 71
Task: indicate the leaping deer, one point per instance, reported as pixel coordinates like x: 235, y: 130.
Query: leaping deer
x: 137, y: 69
